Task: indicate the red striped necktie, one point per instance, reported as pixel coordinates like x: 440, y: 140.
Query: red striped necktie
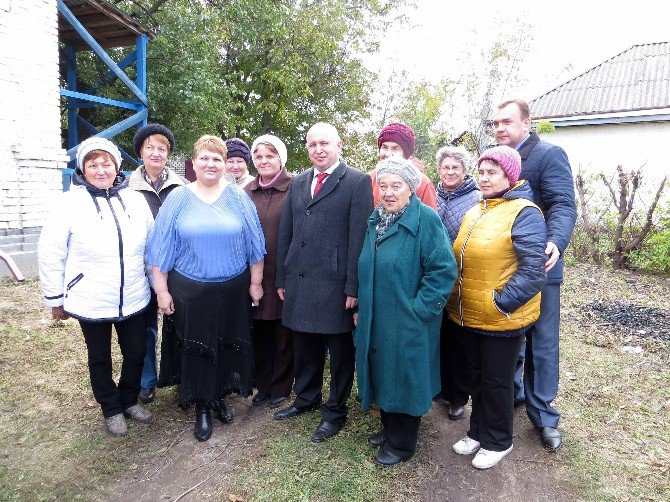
x: 320, y: 178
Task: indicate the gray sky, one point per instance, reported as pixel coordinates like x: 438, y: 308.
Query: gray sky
x: 569, y: 36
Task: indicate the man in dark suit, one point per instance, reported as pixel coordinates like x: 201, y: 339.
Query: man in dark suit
x: 321, y: 233
x: 547, y: 170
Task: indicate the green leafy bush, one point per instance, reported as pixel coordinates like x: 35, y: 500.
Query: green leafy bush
x: 654, y: 255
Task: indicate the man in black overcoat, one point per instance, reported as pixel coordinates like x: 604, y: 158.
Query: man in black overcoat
x: 321, y: 233
x: 547, y: 170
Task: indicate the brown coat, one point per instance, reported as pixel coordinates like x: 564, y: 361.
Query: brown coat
x: 269, y: 204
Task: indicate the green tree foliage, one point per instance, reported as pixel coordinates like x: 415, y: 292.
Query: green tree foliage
x: 424, y: 109
x: 545, y: 127
x: 247, y: 67
x: 425, y: 106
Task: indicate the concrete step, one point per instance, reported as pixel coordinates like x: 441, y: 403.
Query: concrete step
x: 13, y: 239
x: 18, y: 247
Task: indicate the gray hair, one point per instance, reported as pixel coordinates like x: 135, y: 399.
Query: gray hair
x: 459, y: 153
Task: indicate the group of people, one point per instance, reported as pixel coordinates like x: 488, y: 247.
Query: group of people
x: 426, y: 292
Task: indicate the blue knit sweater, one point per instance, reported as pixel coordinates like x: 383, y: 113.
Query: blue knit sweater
x: 206, y: 242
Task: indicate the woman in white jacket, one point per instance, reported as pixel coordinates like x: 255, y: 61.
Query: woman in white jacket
x: 91, y: 262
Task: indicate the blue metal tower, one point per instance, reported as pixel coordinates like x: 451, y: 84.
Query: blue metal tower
x: 98, y: 25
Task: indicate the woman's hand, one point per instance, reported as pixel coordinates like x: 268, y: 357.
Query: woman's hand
x: 59, y: 313
x: 280, y: 293
x: 256, y: 293
x: 355, y: 318
x: 165, y: 303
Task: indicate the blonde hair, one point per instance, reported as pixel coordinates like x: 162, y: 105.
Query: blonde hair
x: 211, y: 143
x: 157, y: 137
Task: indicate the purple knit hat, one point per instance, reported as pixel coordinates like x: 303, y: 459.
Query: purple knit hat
x: 238, y: 148
x: 401, y: 134
x: 507, y: 158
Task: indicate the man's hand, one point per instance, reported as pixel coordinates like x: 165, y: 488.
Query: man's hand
x: 554, y: 255
x: 280, y: 292
x: 351, y: 302
x: 58, y: 313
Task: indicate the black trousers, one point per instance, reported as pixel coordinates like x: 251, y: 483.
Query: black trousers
x: 273, y: 357
x: 453, y: 363
x: 491, y: 366
x: 401, y: 432
x: 309, y: 351
x: 132, y: 338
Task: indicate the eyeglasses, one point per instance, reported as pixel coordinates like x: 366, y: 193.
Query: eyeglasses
x: 454, y: 169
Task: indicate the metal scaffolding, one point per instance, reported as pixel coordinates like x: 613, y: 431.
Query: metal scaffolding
x: 97, y: 25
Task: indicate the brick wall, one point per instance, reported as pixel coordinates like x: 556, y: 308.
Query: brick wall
x: 31, y: 157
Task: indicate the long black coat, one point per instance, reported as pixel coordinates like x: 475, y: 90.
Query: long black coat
x: 320, y: 240
x: 547, y: 170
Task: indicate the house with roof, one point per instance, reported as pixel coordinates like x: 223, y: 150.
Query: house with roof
x: 616, y: 113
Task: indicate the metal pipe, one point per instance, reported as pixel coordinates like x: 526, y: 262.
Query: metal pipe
x: 11, y: 264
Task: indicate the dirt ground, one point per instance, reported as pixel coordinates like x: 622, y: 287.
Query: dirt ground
x: 528, y: 473
x: 202, y: 471
x: 192, y: 470
x: 188, y: 470
x: 53, y: 446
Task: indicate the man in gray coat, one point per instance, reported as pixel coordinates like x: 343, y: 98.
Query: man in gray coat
x: 321, y: 233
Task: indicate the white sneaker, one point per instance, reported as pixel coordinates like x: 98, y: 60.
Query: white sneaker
x: 466, y: 446
x: 485, y: 459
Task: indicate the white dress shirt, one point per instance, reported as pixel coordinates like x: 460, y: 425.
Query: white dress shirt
x: 328, y: 171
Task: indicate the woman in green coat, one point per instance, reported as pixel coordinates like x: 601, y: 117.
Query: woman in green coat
x: 406, y: 272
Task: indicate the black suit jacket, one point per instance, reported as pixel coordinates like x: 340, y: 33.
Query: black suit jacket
x: 320, y: 241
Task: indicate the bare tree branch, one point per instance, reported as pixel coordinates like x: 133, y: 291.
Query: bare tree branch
x: 637, y: 240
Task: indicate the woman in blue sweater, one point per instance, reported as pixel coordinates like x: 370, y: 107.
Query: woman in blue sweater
x: 207, y: 250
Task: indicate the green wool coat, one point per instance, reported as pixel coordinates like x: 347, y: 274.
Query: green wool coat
x: 404, y: 283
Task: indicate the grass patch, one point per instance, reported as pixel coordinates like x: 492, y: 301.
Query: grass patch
x: 615, y: 410
x: 291, y: 467
x: 615, y: 406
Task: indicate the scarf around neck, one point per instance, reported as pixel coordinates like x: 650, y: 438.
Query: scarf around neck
x: 386, y: 220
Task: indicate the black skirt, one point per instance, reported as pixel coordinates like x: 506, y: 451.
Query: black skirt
x: 212, y: 321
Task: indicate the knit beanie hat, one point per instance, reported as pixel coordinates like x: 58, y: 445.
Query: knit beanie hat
x: 274, y: 141
x: 97, y: 143
x: 238, y: 148
x: 403, y: 168
x: 149, y: 130
x: 401, y: 134
x: 507, y: 158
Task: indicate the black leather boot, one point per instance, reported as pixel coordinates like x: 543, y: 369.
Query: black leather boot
x: 203, y: 422
x: 223, y: 412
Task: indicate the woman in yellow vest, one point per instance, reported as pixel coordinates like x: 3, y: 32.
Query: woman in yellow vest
x: 500, y: 256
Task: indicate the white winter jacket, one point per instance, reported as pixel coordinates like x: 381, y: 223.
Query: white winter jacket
x: 91, y: 256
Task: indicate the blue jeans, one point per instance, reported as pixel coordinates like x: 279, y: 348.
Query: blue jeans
x: 150, y: 370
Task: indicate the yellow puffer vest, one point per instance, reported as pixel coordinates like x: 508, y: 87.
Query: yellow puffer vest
x: 486, y: 260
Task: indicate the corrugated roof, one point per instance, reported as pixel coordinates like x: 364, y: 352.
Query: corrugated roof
x: 636, y: 79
